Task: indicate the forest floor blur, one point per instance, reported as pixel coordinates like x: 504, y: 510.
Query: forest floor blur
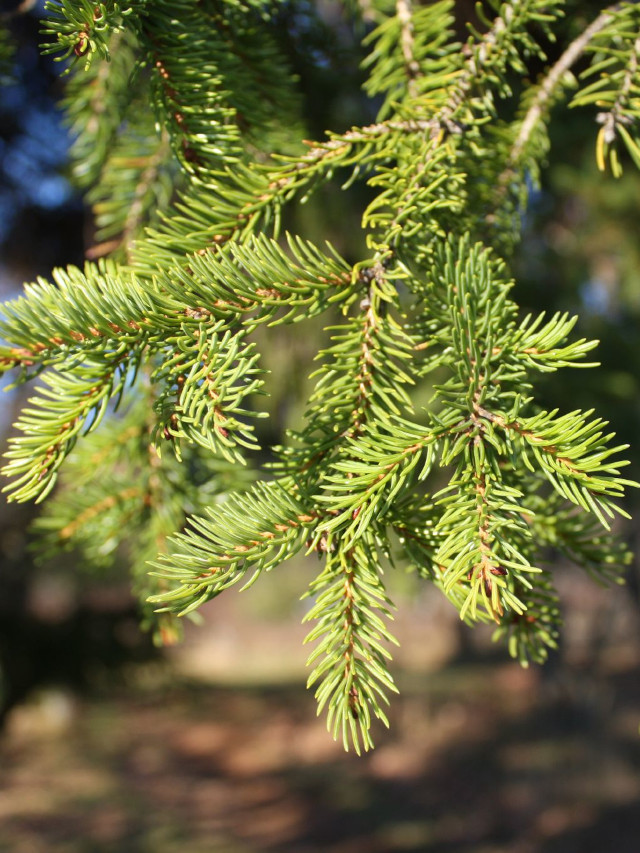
x: 207, y: 754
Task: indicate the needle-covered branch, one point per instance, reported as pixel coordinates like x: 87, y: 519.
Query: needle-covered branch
x: 189, y: 142
x: 350, y: 659
x: 101, y: 310
x: 249, y: 532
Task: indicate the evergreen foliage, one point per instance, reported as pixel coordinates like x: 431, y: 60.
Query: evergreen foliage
x: 186, y: 121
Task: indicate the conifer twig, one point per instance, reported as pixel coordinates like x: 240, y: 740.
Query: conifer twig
x: 546, y: 90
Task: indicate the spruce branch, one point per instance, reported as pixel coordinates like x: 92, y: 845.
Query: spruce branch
x: 616, y: 87
x: 613, y: 121
x: 255, y: 531
x: 481, y: 555
x: 363, y: 484
x: 68, y: 405
x: 81, y: 29
x: 189, y: 87
x: 231, y: 206
x: 204, y: 384
x: 574, y: 455
x: 95, y: 311
x: 460, y: 110
x: 188, y: 141
x: 548, y: 86
x: 352, y: 674
x: 539, y: 106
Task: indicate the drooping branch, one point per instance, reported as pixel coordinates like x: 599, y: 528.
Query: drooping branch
x: 544, y: 94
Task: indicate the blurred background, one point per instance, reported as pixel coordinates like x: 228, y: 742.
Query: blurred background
x: 109, y: 744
